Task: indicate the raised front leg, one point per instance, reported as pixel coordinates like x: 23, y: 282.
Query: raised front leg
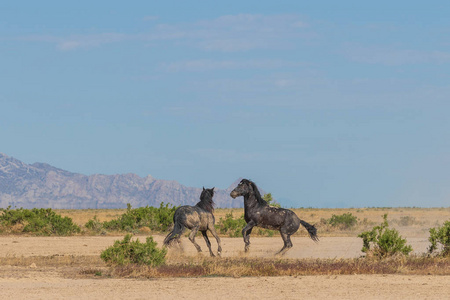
x: 246, y: 233
x: 192, y: 238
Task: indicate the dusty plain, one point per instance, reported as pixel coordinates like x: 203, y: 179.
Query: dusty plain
x: 64, y: 267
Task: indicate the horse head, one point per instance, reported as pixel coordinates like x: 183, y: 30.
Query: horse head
x: 244, y: 188
x: 206, y: 200
x: 207, y: 194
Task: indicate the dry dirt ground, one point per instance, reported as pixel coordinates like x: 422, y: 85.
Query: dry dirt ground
x: 50, y: 285
x: 35, y: 281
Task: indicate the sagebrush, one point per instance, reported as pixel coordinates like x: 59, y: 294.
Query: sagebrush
x: 233, y: 227
x: 382, y: 241
x: 269, y: 199
x: 440, y: 237
x: 127, y: 251
x: 344, y: 221
x: 155, y: 218
x: 38, y: 221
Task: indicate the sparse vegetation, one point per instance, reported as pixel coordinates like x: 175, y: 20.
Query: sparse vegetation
x: 233, y: 227
x: 134, y: 252
x: 344, y: 221
x: 425, y: 218
x: 134, y: 219
x: 269, y: 199
x: 95, y: 225
x: 38, y: 221
x: 240, y: 267
x: 407, y: 221
x: 440, y: 239
x: 94, y: 266
x: 383, y: 242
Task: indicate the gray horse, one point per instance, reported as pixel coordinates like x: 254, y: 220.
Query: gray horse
x: 258, y: 213
x: 196, y: 218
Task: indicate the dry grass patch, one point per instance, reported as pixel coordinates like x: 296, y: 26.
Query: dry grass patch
x: 410, y: 221
x: 78, y: 266
x: 53, y: 261
x: 82, y: 216
x: 250, y: 267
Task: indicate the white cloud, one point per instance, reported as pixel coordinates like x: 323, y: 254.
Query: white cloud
x: 233, y: 156
x: 202, y: 65
x: 150, y: 18
x: 69, y: 45
x: 227, y: 34
x: 391, y: 56
x: 245, y: 32
x: 88, y: 41
x: 79, y: 41
x: 300, y: 24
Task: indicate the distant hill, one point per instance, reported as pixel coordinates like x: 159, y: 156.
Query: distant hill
x: 43, y: 186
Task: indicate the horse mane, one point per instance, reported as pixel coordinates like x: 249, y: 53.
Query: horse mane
x: 260, y: 200
x: 206, y: 200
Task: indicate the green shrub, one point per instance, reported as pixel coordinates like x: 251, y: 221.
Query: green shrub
x: 268, y: 198
x: 382, y: 241
x: 407, y: 221
x: 39, y: 221
x: 95, y: 225
x: 233, y: 227
x: 344, y: 221
x: 264, y: 232
x: 440, y: 235
x: 134, y: 252
x: 157, y: 219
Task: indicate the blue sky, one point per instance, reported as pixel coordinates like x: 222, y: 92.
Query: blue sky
x: 325, y: 104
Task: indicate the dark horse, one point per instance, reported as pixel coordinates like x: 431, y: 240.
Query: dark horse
x: 258, y: 213
x: 198, y: 217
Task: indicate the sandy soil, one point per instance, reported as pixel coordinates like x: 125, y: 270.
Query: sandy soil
x: 43, y: 282
x: 35, y: 285
x: 328, y: 247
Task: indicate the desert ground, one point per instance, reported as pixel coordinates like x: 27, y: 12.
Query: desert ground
x: 56, y: 267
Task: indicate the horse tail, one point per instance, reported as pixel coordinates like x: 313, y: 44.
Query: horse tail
x: 176, y: 232
x: 312, y: 230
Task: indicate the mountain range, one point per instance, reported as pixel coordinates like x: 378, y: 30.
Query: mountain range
x: 41, y: 185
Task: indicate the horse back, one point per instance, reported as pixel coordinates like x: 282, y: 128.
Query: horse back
x: 276, y: 218
x: 192, y: 216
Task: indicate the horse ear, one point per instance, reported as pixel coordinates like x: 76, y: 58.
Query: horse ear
x: 213, y: 189
x: 203, y: 188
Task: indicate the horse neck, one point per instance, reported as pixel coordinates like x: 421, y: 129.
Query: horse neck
x: 250, y: 201
x: 205, y: 204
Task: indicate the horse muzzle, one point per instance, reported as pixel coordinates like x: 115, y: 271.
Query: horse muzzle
x: 234, y: 194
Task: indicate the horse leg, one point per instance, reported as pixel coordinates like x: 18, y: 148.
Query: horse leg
x: 180, y: 246
x: 212, y: 229
x: 287, y: 242
x: 175, y: 234
x: 246, y: 233
x: 208, y: 243
x: 192, y: 238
